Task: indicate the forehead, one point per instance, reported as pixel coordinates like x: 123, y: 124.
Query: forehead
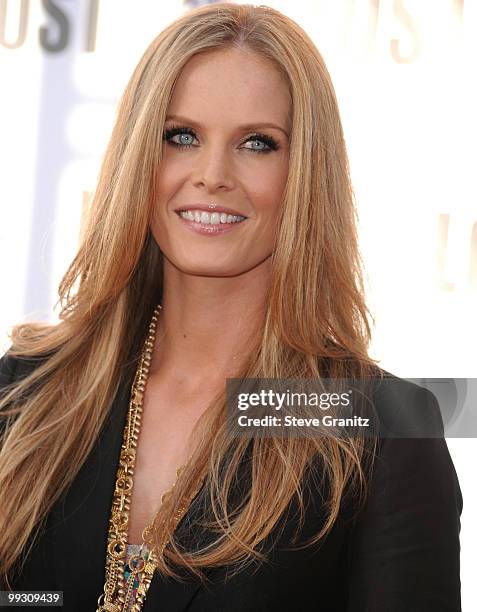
x: 228, y: 84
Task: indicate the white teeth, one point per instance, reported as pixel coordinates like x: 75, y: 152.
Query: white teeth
x: 200, y: 216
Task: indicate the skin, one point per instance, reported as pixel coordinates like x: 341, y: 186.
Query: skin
x: 214, y: 287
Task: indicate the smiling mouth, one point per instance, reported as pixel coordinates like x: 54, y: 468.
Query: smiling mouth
x: 204, y: 218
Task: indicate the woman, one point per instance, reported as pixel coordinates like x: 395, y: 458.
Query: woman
x: 221, y: 243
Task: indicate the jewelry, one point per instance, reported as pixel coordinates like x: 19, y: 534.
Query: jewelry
x: 116, y: 593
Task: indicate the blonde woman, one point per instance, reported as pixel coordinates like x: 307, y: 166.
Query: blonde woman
x: 221, y: 243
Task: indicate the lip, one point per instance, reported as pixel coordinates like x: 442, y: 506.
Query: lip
x: 210, y: 208
x: 209, y: 229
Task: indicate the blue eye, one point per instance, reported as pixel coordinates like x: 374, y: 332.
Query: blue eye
x: 267, y: 140
x: 169, y: 134
x: 270, y: 143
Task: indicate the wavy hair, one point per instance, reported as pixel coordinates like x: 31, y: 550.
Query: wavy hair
x: 316, y: 319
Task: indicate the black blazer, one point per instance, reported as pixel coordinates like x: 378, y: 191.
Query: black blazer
x: 401, y: 555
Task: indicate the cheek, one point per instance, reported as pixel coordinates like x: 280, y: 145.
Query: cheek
x: 269, y: 193
x: 168, y: 180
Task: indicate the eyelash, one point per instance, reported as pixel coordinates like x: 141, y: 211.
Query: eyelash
x: 268, y: 140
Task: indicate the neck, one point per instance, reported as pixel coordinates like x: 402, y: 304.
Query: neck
x: 207, y: 324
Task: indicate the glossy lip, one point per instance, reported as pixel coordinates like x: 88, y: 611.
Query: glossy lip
x: 210, y: 208
x: 209, y: 229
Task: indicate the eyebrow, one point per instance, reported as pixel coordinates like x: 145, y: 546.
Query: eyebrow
x: 245, y: 128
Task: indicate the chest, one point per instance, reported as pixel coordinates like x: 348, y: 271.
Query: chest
x: 164, y: 445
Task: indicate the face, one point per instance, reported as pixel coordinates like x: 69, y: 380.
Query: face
x: 224, y: 165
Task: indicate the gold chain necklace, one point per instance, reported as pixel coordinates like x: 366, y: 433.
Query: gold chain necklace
x: 117, y: 592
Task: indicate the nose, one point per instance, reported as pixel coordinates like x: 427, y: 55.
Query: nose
x: 213, y: 169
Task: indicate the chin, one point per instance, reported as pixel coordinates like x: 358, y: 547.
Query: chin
x: 209, y: 270
x: 205, y: 266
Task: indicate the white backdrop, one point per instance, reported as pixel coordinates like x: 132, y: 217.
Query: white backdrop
x: 404, y: 72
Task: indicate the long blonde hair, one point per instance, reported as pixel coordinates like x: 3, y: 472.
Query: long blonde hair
x: 316, y: 315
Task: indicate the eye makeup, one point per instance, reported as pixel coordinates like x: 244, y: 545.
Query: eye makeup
x: 169, y: 133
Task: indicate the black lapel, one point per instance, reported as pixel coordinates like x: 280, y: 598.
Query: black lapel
x: 79, y: 525
x: 80, y: 518
x: 175, y: 595
x: 172, y: 596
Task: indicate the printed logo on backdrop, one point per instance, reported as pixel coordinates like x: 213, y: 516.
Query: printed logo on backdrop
x: 55, y: 36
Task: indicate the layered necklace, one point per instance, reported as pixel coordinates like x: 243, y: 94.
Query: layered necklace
x: 118, y: 593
